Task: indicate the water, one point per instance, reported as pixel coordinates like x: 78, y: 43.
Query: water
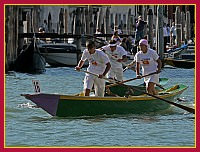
x: 27, y: 125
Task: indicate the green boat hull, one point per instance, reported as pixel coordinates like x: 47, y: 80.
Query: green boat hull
x: 75, y: 106
x: 109, y: 107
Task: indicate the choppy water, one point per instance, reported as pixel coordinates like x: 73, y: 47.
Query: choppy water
x: 26, y: 125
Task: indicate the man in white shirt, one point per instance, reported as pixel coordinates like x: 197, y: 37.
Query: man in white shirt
x: 149, y: 60
x: 117, y: 55
x: 99, y: 64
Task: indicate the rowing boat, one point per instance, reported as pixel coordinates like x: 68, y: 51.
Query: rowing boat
x: 74, y: 106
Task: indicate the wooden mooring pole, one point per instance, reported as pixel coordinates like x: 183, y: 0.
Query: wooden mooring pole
x: 178, y: 26
x: 128, y: 26
x: 150, y: 25
x: 107, y: 23
x: 159, y: 35
x: 78, y: 27
x: 187, y: 27
x: 183, y: 26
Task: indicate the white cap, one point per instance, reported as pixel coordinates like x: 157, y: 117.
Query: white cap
x: 112, y: 44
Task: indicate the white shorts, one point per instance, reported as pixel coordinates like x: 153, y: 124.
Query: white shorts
x: 99, y: 84
x: 116, y: 73
x: 152, y: 78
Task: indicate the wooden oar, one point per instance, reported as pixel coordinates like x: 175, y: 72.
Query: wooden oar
x: 128, y: 67
x: 191, y: 110
x: 110, y: 80
x: 125, y: 69
x: 121, y: 82
x: 160, y: 86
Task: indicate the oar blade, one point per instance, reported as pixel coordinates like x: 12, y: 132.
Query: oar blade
x: 191, y: 110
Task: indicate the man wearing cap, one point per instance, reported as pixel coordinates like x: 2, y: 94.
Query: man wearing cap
x: 117, y: 55
x: 116, y: 37
x: 139, y: 33
x: 150, y: 62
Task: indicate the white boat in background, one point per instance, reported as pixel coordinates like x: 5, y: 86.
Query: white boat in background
x: 65, y: 54
x: 60, y: 54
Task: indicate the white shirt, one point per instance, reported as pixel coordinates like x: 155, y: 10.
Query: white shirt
x: 97, y: 61
x: 115, y: 55
x: 147, y: 60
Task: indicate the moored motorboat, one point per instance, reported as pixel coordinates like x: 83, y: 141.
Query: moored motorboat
x: 75, y: 105
x: 183, y: 57
x: 60, y: 54
x: 180, y: 63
